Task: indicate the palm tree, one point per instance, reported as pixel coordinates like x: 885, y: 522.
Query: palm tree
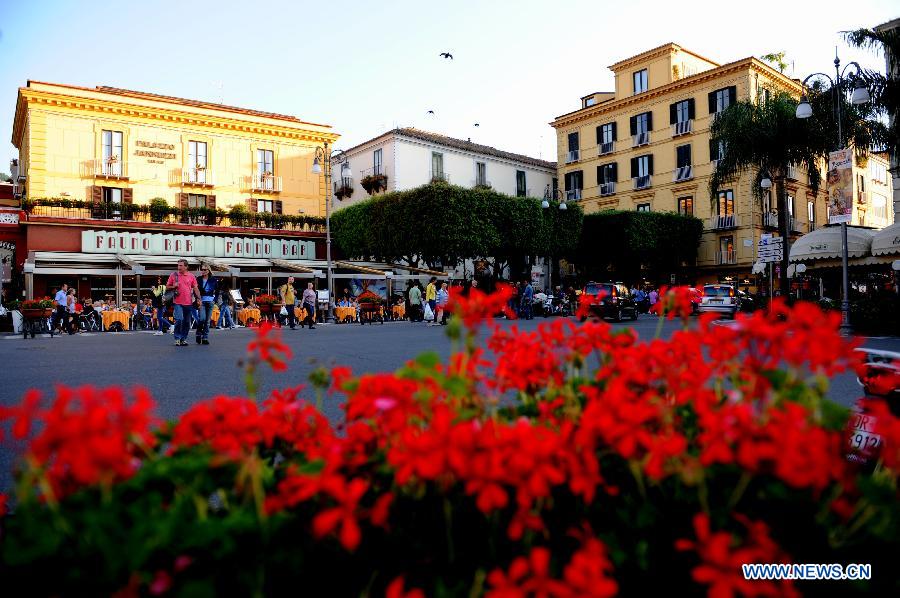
x: 766, y: 138
x: 884, y: 89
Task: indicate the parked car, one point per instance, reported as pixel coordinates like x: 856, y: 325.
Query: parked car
x: 719, y: 298
x: 614, y: 301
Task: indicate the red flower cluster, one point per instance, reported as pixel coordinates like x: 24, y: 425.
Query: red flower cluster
x: 479, y: 307
x: 268, y: 348
x: 721, y: 557
x: 587, y: 575
x: 674, y: 302
x: 88, y: 436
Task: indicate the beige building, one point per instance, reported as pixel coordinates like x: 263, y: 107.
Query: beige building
x: 646, y: 146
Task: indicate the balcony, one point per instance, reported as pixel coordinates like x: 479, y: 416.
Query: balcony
x: 723, y: 222
x: 573, y: 194
x: 640, y: 139
x: 862, y: 199
x: 607, y: 148
x: 682, y: 128
x: 607, y: 189
x: 197, y: 176
x: 482, y: 184
x: 724, y: 258
x: 168, y: 215
x: 797, y: 226
x: 572, y: 156
x: 109, y: 169
x: 263, y: 183
x: 792, y: 173
x: 642, y: 182
x: 683, y: 173
x: 439, y: 176
x: 770, y: 220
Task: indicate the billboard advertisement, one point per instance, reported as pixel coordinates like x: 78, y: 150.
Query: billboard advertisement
x: 840, y: 186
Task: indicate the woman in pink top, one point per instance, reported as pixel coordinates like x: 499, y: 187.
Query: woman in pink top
x: 186, y: 295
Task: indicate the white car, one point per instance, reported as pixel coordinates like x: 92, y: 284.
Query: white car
x: 719, y: 298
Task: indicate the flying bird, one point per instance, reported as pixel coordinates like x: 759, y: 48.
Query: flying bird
x: 431, y: 112
x: 476, y: 125
x: 447, y: 55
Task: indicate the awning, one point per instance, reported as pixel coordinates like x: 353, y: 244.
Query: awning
x: 886, y: 242
x: 825, y: 243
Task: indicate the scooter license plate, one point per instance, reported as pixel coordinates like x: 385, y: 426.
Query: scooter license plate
x: 862, y: 434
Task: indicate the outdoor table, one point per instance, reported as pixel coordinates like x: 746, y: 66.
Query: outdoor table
x: 109, y: 317
x: 248, y: 314
x: 345, y: 314
x: 398, y: 312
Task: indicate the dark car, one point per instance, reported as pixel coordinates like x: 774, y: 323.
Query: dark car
x: 613, y: 300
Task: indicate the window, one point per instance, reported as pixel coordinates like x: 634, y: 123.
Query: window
x: 716, y: 150
x: 573, y: 147
x: 725, y: 203
x: 721, y: 99
x: 196, y: 201
x: 683, y: 156
x: 112, y: 153
x: 437, y: 165
x: 643, y: 207
x: 377, y: 161
x: 607, y: 173
x: 811, y: 212
x: 790, y: 205
x: 686, y: 206
x: 112, y: 195
x: 640, y: 81
x: 681, y: 112
x: 726, y: 247
x: 574, y: 184
x: 520, y: 183
x: 265, y: 205
x: 642, y: 123
x: 196, y: 155
x: 878, y: 172
x: 767, y: 206
x: 480, y: 173
x: 643, y: 166
x: 606, y: 133
x: 765, y: 95
x: 590, y: 101
x: 265, y: 162
x: 555, y: 186
x: 879, y: 206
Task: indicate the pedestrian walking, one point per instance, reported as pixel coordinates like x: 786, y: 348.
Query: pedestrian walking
x: 309, y: 304
x: 186, y: 295
x: 431, y: 296
x: 159, y: 291
x: 654, y: 297
x: 61, y: 315
x: 441, y: 300
x: 208, y: 286
x: 225, y: 302
x: 527, y: 300
x: 289, y: 298
x: 71, y: 309
x: 415, y: 303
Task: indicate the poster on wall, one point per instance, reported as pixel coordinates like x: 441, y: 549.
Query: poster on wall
x: 360, y: 285
x: 840, y: 186
x: 7, y: 259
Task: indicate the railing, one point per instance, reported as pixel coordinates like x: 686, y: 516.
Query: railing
x: 375, y: 170
x: 104, y: 168
x: 797, y: 226
x: 726, y: 257
x: 719, y: 222
x: 573, y: 194
x: 792, y: 173
x: 265, y: 183
x: 642, y: 182
x: 640, y: 139
x: 811, y: 225
x: 201, y: 216
x: 197, y: 176
x: 607, y: 189
x: 682, y: 128
x: 572, y: 156
x: 439, y: 176
x: 683, y: 173
x: 482, y: 184
x: 607, y: 148
x: 770, y: 220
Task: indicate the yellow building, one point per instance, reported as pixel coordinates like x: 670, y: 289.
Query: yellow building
x: 91, y: 160
x: 646, y: 146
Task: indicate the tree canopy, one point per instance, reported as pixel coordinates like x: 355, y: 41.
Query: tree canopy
x: 441, y: 223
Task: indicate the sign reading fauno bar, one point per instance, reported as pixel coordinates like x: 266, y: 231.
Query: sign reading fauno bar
x: 131, y: 243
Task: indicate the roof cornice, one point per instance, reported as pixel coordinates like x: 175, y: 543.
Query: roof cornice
x: 32, y: 97
x: 749, y: 64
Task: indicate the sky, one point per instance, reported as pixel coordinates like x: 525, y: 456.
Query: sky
x: 366, y: 67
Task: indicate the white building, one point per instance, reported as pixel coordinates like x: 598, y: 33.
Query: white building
x: 411, y: 157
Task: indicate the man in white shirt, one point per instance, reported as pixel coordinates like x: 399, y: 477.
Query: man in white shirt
x: 61, y: 315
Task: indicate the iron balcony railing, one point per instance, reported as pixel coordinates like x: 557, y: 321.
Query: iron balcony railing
x: 726, y: 257
x: 573, y: 194
x: 682, y: 128
x: 640, y: 139
x: 642, y: 182
x: 108, y: 168
x: 720, y: 222
x: 197, y: 176
x: 266, y: 183
x: 374, y: 171
x: 607, y: 148
x: 793, y: 173
x: 439, y: 176
x: 572, y: 156
x: 607, y: 189
x: 683, y: 173
x: 770, y: 220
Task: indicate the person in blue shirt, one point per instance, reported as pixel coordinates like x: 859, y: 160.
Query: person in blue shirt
x: 209, y: 287
x: 527, y: 300
x: 61, y: 315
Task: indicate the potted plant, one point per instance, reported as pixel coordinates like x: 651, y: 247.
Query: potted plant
x: 373, y: 183
x: 159, y: 209
x: 37, y: 308
x: 238, y: 215
x: 268, y: 304
x: 343, y: 191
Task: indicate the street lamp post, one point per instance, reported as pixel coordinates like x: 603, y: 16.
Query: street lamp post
x: 557, y: 196
x: 324, y: 157
x: 804, y: 110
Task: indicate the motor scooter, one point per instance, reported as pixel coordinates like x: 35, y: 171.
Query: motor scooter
x: 879, y: 377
